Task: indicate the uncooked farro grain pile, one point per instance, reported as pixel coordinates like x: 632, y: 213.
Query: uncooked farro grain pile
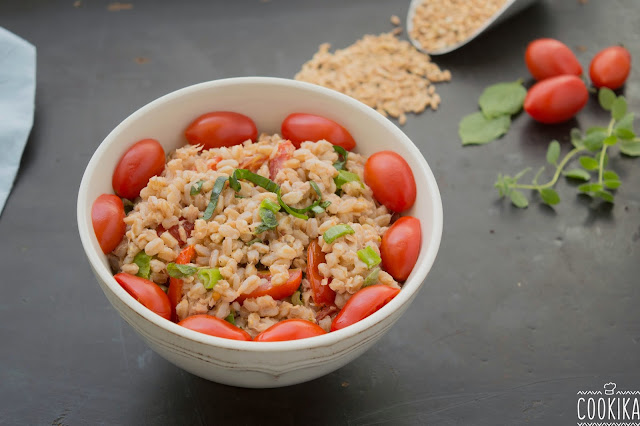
x: 438, y: 24
x: 381, y: 71
x: 227, y: 241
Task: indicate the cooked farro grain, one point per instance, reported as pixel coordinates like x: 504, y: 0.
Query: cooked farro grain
x: 438, y: 24
x: 166, y: 210
x: 381, y: 71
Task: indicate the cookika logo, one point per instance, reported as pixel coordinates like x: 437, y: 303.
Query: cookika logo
x: 614, y: 407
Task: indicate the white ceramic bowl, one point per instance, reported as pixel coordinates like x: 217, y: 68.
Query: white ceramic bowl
x: 267, y: 101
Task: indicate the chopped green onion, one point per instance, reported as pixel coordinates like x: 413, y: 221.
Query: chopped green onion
x: 342, y: 157
x: 256, y: 179
x: 238, y: 196
x: 336, y: 232
x: 176, y: 270
x: 231, y: 318
x: 316, y: 188
x: 318, y: 209
x: 269, y: 220
x: 143, y: 260
x: 196, y: 188
x: 344, y: 177
x: 372, y: 278
x: 215, y: 194
x: 292, y: 211
x: 369, y: 256
x: 255, y: 240
x: 270, y: 205
x: 209, y: 277
x: 128, y: 206
x: 295, y: 298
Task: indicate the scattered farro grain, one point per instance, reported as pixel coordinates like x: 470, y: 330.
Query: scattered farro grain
x: 117, y: 6
x: 438, y: 24
x: 388, y: 74
x: 395, y: 20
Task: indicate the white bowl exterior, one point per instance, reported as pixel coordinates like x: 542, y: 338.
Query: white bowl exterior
x: 267, y: 101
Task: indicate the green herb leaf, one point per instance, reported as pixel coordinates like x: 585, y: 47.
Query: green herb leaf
x: 342, y: 157
x: 610, y: 175
x: 477, y: 129
x: 594, y: 139
x: 344, y: 177
x: 610, y: 140
x: 295, y: 298
x: 619, y: 108
x: 337, y: 231
x: 606, y: 97
x: 270, y: 205
x: 293, y: 212
x: 549, y: 196
x: 369, y: 256
x: 630, y: 148
x: 372, y: 277
x: 215, y: 194
x: 209, y: 277
x: 576, y: 138
x: 518, y: 199
x: 625, y: 123
x: 605, y: 195
x: 128, y: 206
x: 256, y: 179
x: 255, y: 240
x: 624, y: 133
x: 196, y: 188
x: 553, y: 152
x: 176, y: 270
x: 143, y: 260
x: 502, y: 99
x: 231, y: 319
x: 577, y: 174
x: 589, y: 163
x: 589, y: 187
x: 269, y: 220
x: 612, y: 184
x: 316, y: 188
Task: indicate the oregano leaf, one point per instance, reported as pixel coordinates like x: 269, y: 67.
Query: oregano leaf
x: 549, y: 196
x: 502, y: 99
x: 577, y: 174
x: 629, y: 147
x: 610, y: 140
x: 624, y: 133
x: 618, y: 108
x: 589, y: 163
x: 612, y: 184
x: 605, y: 195
x: 625, y: 122
x: 606, y: 98
x: 590, y: 187
x: 553, y: 152
x: 518, y: 199
x: 611, y: 175
x: 477, y: 129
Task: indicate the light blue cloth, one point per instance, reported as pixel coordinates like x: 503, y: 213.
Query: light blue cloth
x: 17, y: 102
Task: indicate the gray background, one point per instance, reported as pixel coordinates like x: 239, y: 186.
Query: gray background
x: 522, y: 309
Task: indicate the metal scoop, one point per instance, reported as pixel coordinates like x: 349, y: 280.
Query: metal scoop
x: 510, y: 8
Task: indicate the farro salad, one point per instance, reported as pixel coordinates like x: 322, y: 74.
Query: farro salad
x: 265, y: 238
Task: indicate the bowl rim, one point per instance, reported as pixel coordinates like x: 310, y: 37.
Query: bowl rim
x: 409, y: 288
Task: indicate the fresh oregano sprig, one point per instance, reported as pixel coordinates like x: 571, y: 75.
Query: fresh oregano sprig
x: 593, y: 146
